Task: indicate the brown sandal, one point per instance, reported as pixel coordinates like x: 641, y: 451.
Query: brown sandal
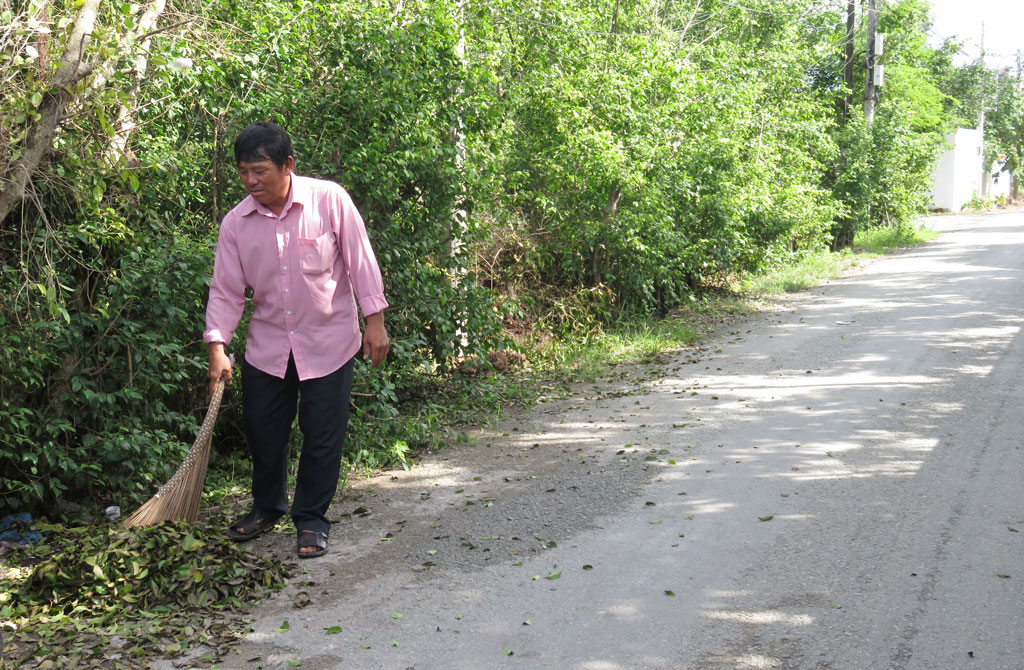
x: 311, y: 538
x: 249, y: 526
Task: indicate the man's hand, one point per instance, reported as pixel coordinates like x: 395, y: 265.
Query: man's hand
x: 220, y: 365
x: 376, y: 343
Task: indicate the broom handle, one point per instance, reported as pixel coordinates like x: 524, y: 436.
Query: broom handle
x: 194, y: 466
x: 205, y: 436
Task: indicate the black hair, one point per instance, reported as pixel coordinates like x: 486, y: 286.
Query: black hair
x: 263, y: 141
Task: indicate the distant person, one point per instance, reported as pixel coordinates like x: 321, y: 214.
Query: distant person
x: 301, y: 246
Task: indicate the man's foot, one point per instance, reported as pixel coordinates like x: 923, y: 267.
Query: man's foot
x: 311, y: 543
x: 251, y: 525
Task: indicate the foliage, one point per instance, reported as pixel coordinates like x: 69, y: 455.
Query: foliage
x: 643, y: 155
x: 883, y: 173
x: 1004, y: 126
x: 97, y: 594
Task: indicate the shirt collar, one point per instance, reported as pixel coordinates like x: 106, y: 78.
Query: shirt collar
x: 299, y: 192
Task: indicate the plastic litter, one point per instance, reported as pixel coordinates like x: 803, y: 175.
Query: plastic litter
x: 13, y: 531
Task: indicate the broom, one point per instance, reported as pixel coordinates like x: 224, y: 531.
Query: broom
x: 178, y: 499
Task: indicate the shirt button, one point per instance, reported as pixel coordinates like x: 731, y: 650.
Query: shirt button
x: 286, y: 267
x: 291, y: 332
x: 286, y: 290
x: 289, y: 312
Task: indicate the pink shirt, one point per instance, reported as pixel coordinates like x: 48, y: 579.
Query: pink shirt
x: 303, y: 267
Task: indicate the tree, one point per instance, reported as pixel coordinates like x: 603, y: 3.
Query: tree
x: 46, y: 103
x: 1004, y: 127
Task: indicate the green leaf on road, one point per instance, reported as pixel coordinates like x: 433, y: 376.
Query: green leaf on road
x: 333, y: 630
x: 588, y: 566
x: 508, y: 652
x: 669, y: 593
x: 284, y: 626
x: 554, y: 575
x: 397, y: 615
x: 766, y: 518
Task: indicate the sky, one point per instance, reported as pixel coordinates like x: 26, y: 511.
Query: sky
x: 1004, y: 27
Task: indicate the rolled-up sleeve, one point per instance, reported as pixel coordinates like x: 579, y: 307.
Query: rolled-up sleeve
x: 227, y: 289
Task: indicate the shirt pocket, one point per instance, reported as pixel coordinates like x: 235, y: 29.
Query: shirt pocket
x: 316, y: 256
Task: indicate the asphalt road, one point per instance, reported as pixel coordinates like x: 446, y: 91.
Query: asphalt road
x: 837, y: 484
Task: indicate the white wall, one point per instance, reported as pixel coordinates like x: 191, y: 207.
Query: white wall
x: 957, y: 174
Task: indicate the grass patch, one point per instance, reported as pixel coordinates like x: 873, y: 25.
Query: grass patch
x: 799, y: 273
x: 807, y: 270
x: 884, y: 240
x: 591, y: 356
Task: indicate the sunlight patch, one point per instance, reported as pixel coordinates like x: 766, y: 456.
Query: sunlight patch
x: 762, y: 618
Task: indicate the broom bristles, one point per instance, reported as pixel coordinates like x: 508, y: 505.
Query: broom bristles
x: 178, y: 499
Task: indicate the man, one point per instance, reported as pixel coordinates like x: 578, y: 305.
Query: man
x: 301, y: 246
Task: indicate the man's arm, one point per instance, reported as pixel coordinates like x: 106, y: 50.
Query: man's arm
x: 364, y: 273
x: 376, y: 343
x: 225, y: 306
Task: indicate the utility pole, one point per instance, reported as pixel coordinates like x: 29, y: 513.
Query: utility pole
x: 848, y: 68
x: 869, y: 88
x: 981, y: 122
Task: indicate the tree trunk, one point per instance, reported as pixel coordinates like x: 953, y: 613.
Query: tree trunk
x: 611, y: 208
x: 39, y: 137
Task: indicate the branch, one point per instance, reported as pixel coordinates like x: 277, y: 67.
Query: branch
x: 118, y: 147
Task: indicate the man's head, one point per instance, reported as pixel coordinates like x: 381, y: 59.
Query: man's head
x: 263, y: 141
x: 263, y: 152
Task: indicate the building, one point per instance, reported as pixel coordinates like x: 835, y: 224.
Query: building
x: 958, y: 177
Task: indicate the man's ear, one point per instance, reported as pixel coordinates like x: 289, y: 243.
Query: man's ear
x: 289, y: 164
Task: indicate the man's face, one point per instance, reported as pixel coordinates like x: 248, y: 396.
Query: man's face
x: 266, y: 182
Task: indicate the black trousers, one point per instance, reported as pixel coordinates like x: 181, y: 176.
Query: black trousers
x: 268, y: 407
